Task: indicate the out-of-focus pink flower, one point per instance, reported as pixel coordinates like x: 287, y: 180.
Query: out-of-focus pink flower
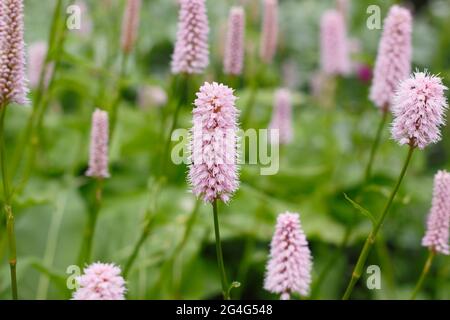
x: 152, y: 96
x: 213, y: 173
x: 393, y: 63
x: 234, y: 49
x: 364, y: 73
x: 418, y: 109
x: 191, y: 54
x: 289, y: 268
x: 13, y: 82
x: 98, y: 157
x: 334, y: 48
x: 438, y: 224
x: 282, y: 116
x: 100, y: 281
x: 37, y: 53
x: 130, y: 25
x: 269, y: 34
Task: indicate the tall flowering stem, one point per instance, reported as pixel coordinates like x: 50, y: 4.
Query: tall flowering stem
x: 213, y: 172
x: 98, y: 170
x: 393, y: 64
x: 418, y: 109
x: 357, y: 271
x: 7, y: 206
x: 13, y: 89
x: 223, y: 275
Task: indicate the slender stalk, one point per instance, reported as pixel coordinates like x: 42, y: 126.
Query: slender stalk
x: 149, y: 219
x: 86, y: 249
x: 423, y: 275
x: 183, y: 90
x: 357, y: 271
x: 375, y: 144
x: 116, y: 101
x: 42, y: 89
x: 137, y: 247
x: 7, y: 205
x: 223, y: 275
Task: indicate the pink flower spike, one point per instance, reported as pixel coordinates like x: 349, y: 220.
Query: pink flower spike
x: 13, y: 82
x: 98, y: 159
x: 269, y: 34
x: 282, y: 116
x: 438, y: 224
x: 234, y: 49
x: 393, y: 63
x: 130, y: 25
x: 334, y: 48
x: 419, y: 110
x: 213, y: 173
x: 290, y: 264
x: 100, y: 281
x: 191, y: 54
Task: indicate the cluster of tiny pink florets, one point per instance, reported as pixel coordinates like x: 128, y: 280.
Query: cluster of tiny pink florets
x: 213, y: 172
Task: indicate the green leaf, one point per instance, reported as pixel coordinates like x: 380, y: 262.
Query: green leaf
x: 362, y: 210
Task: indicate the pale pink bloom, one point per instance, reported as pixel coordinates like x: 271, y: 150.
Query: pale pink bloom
x: 289, y: 268
x: 100, y: 281
x: 98, y: 157
x: 13, y: 82
x: 334, y: 44
x: 191, y: 54
x: 393, y: 63
x: 282, y: 116
x: 419, y: 110
x: 213, y: 173
x: 269, y: 34
x: 234, y: 49
x: 130, y: 25
x: 438, y: 224
x: 152, y: 96
x: 37, y: 52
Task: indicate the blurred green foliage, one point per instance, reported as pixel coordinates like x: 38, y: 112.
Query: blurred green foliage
x: 326, y: 161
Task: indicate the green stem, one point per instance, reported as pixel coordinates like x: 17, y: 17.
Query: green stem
x: 184, y: 89
x: 137, y: 247
x: 223, y: 275
x: 7, y: 205
x: 86, y: 249
x: 375, y: 144
x: 376, y: 228
x: 116, y: 101
x: 149, y: 219
x: 42, y: 90
x: 426, y: 269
